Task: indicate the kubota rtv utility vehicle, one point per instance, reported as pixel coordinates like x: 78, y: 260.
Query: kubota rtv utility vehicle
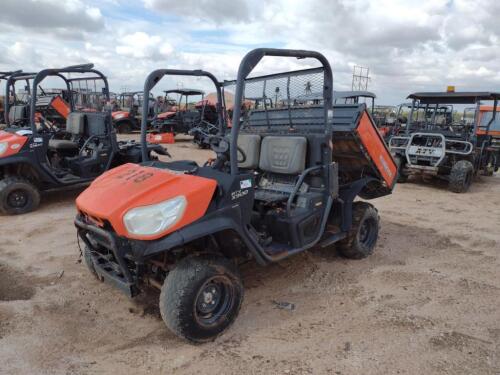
x: 32, y: 160
x: 127, y: 114
x: 454, y: 150
x: 284, y: 180
x: 181, y: 118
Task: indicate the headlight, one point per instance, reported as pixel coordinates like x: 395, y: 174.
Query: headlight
x: 3, y: 147
x: 119, y: 116
x: 150, y: 220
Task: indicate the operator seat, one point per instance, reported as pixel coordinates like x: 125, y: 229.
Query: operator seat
x: 281, y: 160
x: 18, y: 113
x: 75, y: 125
x: 250, y: 145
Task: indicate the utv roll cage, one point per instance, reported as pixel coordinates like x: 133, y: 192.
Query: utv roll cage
x: 435, y: 100
x: 155, y: 76
x: 352, y: 97
x: 246, y: 67
x: 120, y: 98
x: 183, y: 94
x: 3, y: 77
x: 73, y: 86
x: 10, y: 91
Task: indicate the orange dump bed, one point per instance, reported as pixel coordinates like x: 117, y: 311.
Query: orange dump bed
x: 360, y: 150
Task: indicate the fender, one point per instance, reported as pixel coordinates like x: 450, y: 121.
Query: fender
x: 211, y: 223
x: 347, y: 194
x: 43, y: 176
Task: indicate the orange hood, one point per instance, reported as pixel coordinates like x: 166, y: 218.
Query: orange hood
x: 117, y: 191
x: 118, y: 115
x: 14, y: 143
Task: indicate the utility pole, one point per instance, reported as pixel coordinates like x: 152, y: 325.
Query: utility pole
x: 360, y: 78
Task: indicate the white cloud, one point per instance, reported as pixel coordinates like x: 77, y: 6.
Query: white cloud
x: 51, y: 15
x: 408, y: 45
x: 140, y: 45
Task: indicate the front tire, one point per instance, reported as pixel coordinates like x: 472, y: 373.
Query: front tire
x: 362, y: 238
x: 461, y: 176
x: 201, y: 297
x: 18, y: 196
x: 400, y: 163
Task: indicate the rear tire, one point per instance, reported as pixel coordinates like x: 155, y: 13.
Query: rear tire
x: 18, y: 196
x: 201, y: 297
x: 461, y: 176
x: 362, y: 238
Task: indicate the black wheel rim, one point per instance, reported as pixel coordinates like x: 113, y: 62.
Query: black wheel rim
x: 214, y: 301
x: 18, y: 198
x: 367, y: 234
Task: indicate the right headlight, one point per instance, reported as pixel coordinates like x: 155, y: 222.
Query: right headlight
x: 156, y: 218
x: 3, y: 147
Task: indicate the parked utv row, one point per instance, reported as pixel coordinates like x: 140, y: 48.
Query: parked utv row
x: 293, y: 158
x: 38, y: 154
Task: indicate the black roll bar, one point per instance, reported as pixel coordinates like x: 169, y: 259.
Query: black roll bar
x: 10, y: 84
x: 40, y: 76
x: 248, y: 63
x: 153, y: 78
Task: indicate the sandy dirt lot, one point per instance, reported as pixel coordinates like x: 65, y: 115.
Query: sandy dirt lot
x: 427, y: 301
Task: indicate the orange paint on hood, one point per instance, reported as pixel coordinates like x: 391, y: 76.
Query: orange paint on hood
x: 14, y: 143
x: 121, y: 189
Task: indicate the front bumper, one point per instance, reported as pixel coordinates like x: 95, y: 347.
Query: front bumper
x: 110, y: 256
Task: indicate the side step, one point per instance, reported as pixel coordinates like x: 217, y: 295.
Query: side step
x: 332, y: 239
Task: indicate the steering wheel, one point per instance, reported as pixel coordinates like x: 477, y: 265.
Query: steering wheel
x: 220, y: 145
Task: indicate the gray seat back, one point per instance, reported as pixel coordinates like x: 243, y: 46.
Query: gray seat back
x: 250, y: 145
x: 284, y: 155
x: 96, y: 123
x: 75, y: 123
x: 18, y: 113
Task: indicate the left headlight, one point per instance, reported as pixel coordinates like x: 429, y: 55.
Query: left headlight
x: 3, y: 147
x: 156, y: 218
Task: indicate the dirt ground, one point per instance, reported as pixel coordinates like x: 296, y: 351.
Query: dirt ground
x: 427, y: 301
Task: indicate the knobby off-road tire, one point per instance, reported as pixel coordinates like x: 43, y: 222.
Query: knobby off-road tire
x: 400, y: 163
x: 461, y: 176
x: 362, y: 238
x: 18, y: 196
x: 201, y: 297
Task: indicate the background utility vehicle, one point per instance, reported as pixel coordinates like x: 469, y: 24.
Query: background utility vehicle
x: 284, y: 180
x: 51, y: 105
x: 435, y: 144
x: 185, y: 115
x: 127, y: 111
x: 32, y: 160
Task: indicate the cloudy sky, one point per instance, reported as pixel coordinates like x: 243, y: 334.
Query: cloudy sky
x: 408, y: 45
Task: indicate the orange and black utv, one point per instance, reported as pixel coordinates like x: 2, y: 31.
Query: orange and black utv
x: 33, y: 159
x: 284, y: 180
